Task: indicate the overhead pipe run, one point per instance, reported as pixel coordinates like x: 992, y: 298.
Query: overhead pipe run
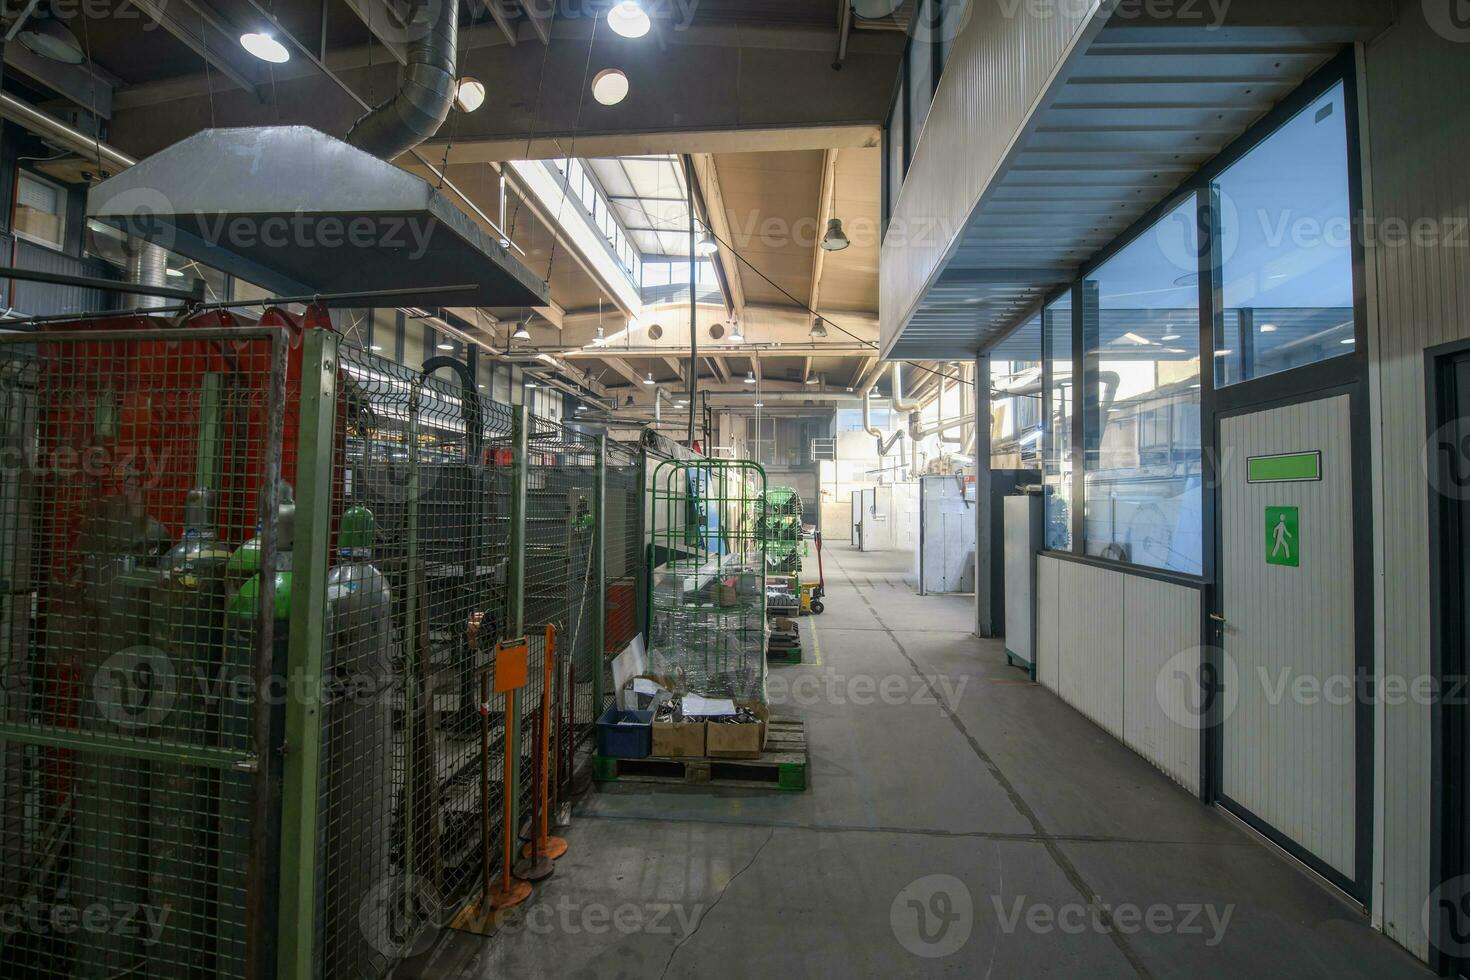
x: 53, y: 130
x: 426, y: 88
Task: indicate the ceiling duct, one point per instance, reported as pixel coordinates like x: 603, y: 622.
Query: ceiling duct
x: 296, y: 211
x: 425, y: 89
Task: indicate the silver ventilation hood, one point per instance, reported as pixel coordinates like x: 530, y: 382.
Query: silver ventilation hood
x: 296, y: 211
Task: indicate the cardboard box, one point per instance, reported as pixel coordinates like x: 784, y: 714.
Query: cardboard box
x: 679, y: 740
x: 724, y: 741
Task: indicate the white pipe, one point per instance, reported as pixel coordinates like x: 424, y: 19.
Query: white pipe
x: 48, y: 126
x: 899, y: 404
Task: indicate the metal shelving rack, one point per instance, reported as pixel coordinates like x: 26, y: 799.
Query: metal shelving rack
x: 707, y: 598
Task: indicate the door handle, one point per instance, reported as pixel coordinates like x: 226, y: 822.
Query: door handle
x: 1216, y: 617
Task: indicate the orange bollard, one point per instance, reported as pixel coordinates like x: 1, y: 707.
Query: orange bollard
x: 542, y: 845
x: 511, y: 673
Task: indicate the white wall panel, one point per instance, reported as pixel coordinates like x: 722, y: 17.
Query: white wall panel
x: 1161, y: 632
x: 1048, y: 619
x: 1001, y: 67
x: 1102, y: 638
x: 1418, y: 130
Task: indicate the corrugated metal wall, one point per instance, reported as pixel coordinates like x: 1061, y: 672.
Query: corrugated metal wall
x: 1000, y: 66
x: 1103, y: 639
x: 1289, y: 753
x: 1419, y: 140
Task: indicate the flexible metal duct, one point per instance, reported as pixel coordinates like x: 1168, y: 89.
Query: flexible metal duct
x: 425, y: 90
x: 148, y: 266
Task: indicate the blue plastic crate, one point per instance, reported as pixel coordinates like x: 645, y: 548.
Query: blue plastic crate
x: 625, y: 734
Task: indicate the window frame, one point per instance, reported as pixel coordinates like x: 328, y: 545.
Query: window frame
x: 63, y: 203
x: 1322, y: 375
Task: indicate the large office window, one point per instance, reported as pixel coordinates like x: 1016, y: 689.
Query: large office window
x: 40, y: 210
x: 1056, y: 463
x: 1285, y: 244
x: 1141, y: 404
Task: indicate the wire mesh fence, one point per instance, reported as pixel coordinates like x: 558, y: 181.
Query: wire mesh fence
x: 157, y: 552
x: 137, y: 510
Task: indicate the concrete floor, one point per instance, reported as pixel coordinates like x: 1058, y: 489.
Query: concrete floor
x: 1001, y: 834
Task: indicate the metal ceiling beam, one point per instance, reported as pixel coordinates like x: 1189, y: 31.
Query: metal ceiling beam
x: 624, y: 368
x: 703, y: 165
x: 540, y: 14
x: 502, y: 20
x: 824, y: 210
x: 720, y: 368
x: 378, y: 17
x: 158, y: 11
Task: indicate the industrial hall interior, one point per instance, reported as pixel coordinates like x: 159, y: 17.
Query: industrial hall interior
x: 734, y: 489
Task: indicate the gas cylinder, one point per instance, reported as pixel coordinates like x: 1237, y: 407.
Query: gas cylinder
x: 241, y: 650
x: 188, y: 616
x: 357, y: 749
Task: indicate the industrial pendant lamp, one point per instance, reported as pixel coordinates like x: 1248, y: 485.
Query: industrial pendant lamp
x: 51, y: 39
x: 521, y: 333
x: 750, y: 377
x: 836, y: 239
x: 736, y: 337
x: 707, y: 244
x: 819, y: 329
x: 629, y: 19
x: 265, y: 47
x: 648, y: 378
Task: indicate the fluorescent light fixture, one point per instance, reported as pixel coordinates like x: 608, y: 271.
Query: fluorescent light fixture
x: 629, y: 19
x: 1169, y: 336
x: 1268, y: 328
x: 1349, y: 342
x: 469, y: 94
x: 375, y: 347
x: 750, y: 377
x: 532, y: 384
x: 265, y: 47
x: 1224, y: 353
x: 610, y: 86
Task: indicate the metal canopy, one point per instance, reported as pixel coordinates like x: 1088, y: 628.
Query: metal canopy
x: 294, y: 210
x: 1140, y: 112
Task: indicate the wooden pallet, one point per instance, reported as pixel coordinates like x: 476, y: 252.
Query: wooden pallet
x: 782, y: 766
x: 783, y: 653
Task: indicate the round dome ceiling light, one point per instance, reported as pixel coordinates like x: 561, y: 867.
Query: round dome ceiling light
x: 629, y: 19
x: 469, y: 94
x: 610, y: 86
x: 265, y: 47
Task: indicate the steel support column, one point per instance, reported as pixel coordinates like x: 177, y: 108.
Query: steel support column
x: 301, y: 777
x: 599, y: 568
x: 516, y: 589
x: 985, y: 614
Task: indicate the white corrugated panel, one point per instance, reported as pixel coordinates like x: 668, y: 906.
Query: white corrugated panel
x: 1161, y: 656
x: 1289, y: 738
x: 1048, y: 639
x: 1001, y: 66
x: 1092, y: 644
x: 1419, y: 133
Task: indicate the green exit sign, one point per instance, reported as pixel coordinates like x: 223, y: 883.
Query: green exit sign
x: 1283, y: 536
x: 1284, y: 468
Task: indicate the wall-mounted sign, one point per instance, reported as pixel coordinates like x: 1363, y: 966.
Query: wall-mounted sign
x: 1284, y: 468
x: 1283, y: 536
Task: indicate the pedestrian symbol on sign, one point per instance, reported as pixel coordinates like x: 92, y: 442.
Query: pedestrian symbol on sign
x: 1283, y: 537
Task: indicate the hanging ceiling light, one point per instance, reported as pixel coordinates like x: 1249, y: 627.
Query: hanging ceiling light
x: 629, y: 402
x: 610, y: 86
x: 521, y: 333
x: 813, y: 379
x: 707, y: 244
x: 736, y: 336
x: 469, y: 94
x: 265, y: 47
x: 836, y: 239
x: 648, y: 378
x: 819, y: 329
x: 52, y: 40
x: 750, y: 377
x: 446, y: 345
x: 601, y: 337
x: 759, y: 403
x: 629, y: 19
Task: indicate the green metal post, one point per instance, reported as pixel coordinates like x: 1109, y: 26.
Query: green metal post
x: 599, y: 567
x: 302, y: 762
x: 516, y: 591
